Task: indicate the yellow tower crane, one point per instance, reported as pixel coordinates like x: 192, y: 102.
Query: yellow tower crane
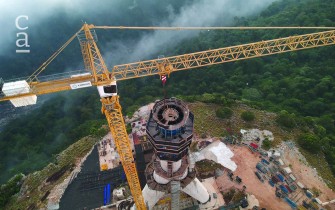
x: 106, y: 80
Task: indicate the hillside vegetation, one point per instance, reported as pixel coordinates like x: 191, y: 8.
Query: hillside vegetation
x: 208, y: 123
x: 35, y: 187
x: 299, y: 86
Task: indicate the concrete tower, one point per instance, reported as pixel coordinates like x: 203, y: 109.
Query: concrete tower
x: 170, y: 131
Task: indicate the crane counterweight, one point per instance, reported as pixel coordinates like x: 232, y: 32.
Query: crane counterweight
x: 19, y: 87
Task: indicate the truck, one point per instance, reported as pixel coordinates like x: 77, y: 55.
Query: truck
x: 259, y: 176
x: 261, y: 168
x: 265, y: 161
x: 284, y: 189
x: 280, y: 177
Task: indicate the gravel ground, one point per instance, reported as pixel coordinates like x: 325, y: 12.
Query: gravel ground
x: 246, y: 167
x: 246, y: 162
x: 306, y: 174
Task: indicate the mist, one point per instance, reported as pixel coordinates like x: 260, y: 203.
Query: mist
x: 192, y: 13
x: 40, y: 11
x: 69, y: 15
x: 146, y: 45
x: 200, y: 13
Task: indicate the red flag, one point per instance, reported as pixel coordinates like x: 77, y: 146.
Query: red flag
x: 163, y: 78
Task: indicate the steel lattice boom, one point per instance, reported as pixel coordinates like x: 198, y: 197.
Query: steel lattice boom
x: 222, y: 55
x: 188, y: 61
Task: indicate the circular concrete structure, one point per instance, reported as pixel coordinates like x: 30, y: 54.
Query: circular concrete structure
x: 170, y: 129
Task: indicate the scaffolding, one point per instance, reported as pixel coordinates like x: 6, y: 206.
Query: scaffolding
x: 92, y: 180
x: 175, y: 194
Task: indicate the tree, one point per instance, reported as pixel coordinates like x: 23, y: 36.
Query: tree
x: 286, y: 120
x: 224, y: 113
x: 266, y: 144
x: 10, y: 188
x: 327, y: 122
x: 248, y: 116
x: 310, y: 142
x: 251, y: 94
x: 320, y: 130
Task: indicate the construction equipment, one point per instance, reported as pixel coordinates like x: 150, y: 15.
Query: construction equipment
x: 25, y: 92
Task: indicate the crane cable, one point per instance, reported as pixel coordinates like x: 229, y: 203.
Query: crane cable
x: 34, y: 75
x: 164, y: 80
x: 215, y: 28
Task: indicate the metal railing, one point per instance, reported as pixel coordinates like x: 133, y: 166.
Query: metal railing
x: 46, y: 78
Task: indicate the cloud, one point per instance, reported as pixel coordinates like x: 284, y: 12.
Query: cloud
x: 193, y: 13
x: 40, y: 10
x: 200, y: 13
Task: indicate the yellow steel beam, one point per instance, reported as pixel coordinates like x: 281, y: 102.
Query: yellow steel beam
x: 193, y: 60
x: 112, y: 109
x: 52, y: 86
x: 92, y: 57
x: 223, y: 55
x: 113, y: 112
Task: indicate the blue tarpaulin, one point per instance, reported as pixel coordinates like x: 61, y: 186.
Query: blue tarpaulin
x: 281, y: 177
x: 291, y: 203
x: 105, y: 195
x: 265, y: 161
x: 283, y: 188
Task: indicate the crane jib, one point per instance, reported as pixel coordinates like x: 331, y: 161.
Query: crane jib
x: 81, y: 85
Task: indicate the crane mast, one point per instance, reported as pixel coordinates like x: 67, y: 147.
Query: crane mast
x: 106, y: 80
x: 113, y: 112
x: 111, y: 108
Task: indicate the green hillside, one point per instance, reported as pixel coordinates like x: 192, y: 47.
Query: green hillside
x: 299, y: 86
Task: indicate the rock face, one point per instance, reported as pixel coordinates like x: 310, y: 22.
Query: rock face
x: 57, y: 192
x: 141, y: 113
x: 217, y: 152
x: 253, y: 134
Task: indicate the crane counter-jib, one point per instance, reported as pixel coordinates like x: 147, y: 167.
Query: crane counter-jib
x: 14, y: 91
x: 181, y: 62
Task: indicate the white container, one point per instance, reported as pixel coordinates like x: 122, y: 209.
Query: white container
x: 300, y: 185
x: 293, y: 177
x: 287, y: 170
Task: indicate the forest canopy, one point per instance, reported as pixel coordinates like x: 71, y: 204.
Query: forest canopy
x: 299, y: 86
